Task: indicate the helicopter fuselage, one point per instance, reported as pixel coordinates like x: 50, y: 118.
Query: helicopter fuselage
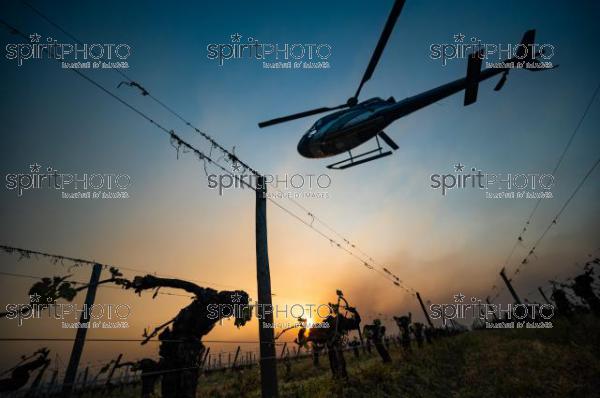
x: 344, y: 130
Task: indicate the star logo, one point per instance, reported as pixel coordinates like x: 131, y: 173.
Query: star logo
x: 34, y: 298
x: 459, y: 38
x: 35, y: 38
x: 236, y: 297
x: 459, y: 167
x: 235, y: 166
x: 35, y: 168
x: 236, y: 37
x: 459, y: 298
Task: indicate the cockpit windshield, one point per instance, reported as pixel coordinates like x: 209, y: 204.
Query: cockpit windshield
x: 328, y: 119
x: 312, y: 130
x: 322, y: 122
x: 347, y: 117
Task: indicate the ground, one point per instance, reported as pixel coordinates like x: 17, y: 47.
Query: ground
x: 560, y: 362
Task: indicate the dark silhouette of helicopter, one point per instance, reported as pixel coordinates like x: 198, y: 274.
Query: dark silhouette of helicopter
x: 359, y: 122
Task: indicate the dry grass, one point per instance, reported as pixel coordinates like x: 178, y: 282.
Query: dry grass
x: 559, y: 362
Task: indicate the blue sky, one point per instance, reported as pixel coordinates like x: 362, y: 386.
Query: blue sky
x: 53, y: 117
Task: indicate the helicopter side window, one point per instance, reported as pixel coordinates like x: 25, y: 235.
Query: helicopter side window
x: 311, y: 131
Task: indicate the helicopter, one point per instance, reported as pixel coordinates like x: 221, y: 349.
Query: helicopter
x: 356, y: 122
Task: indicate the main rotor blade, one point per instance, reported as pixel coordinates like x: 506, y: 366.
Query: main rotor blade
x: 385, y: 35
x: 501, y: 82
x: 299, y: 115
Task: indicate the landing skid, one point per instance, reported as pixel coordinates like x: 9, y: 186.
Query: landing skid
x: 360, y: 159
x: 352, y: 160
